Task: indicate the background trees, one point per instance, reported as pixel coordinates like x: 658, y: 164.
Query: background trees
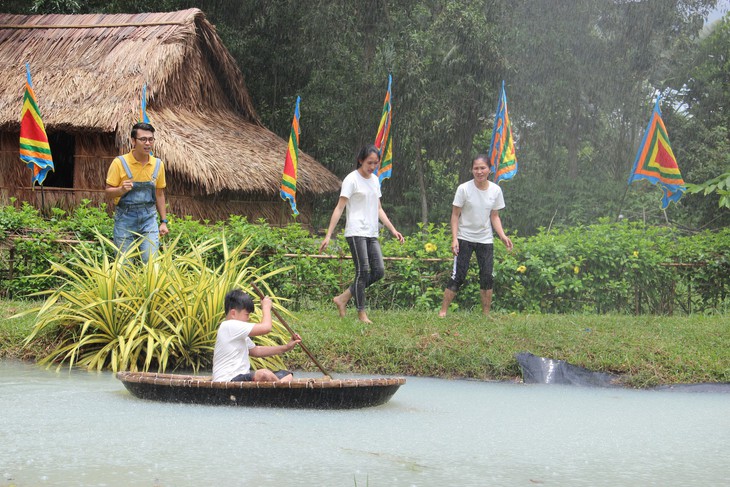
x: 701, y: 92
x: 580, y: 79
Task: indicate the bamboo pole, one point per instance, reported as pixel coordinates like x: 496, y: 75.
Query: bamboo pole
x: 283, y: 322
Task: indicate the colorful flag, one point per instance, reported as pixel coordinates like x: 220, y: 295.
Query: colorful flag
x: 501, y: 154
x: 655, y: 160
x: 288, y: 189
x: 34, y: 149
x: 143, y: 107
x: 383, y: 141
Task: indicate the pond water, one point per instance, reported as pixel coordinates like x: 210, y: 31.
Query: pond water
x: 83, y: 429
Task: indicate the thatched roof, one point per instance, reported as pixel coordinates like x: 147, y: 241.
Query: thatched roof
x: 88, y: 72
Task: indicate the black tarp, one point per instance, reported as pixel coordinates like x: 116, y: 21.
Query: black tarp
x: 541, y: 370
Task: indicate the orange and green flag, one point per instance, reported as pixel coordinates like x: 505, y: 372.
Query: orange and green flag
x: 288, y: 190
x: 383, y: 140
x: 35, y: 151
x: 502, y: 157
x: 655, y: 160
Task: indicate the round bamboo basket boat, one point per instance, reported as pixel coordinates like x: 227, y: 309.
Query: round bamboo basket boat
x: 323, y: 393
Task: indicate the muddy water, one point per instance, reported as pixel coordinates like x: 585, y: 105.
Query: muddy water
x: 82, y: 428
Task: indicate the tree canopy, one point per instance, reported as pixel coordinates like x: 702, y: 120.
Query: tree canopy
x: 581, y: 79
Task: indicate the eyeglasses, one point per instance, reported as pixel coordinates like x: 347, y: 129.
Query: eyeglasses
x: 144, y: 140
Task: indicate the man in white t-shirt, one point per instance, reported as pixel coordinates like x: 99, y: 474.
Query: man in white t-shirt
x: 233, y: 345
x: 474, y: 218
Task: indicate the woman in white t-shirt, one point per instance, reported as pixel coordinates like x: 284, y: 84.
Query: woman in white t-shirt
x: 474, y: 214
x: 360, y: 197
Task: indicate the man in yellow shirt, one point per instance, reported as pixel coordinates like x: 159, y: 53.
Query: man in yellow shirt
x: 136, y: 181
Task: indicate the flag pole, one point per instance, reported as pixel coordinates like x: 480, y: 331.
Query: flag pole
x: 621, y: 203
x: 291, y: 332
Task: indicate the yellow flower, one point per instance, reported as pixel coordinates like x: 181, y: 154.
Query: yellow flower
x: 576, y: 270
x: 430, y: 247
x: 636, y: 253
x: 521, y: 269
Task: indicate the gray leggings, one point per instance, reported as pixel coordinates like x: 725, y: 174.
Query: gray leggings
x: 369, y: 267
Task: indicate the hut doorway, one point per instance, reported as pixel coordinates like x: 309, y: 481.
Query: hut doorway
x: 63, y: 147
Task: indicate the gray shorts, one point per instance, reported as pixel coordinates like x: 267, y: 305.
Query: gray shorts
x: 248, y: 377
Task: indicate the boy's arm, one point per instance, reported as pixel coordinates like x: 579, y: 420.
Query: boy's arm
x: 265, y: 326
x: 268, y: 351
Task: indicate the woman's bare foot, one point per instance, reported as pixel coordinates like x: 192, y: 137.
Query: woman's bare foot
x: 442, y: 313
x: 340, y: 306
x: 341, y: 302
x: 362, y: 316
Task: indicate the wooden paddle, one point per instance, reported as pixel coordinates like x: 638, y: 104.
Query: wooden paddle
x: 283, y: 322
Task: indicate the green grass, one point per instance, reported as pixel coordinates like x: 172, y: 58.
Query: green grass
x: 645, y: 350
x: 14, y: 331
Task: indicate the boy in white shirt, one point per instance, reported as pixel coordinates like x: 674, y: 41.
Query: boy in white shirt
x: 233, y: 345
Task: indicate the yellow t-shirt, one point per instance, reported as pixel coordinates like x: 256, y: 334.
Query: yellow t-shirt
x: 141, y: 173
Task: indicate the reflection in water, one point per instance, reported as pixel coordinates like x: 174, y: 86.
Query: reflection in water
x: 84, y: 429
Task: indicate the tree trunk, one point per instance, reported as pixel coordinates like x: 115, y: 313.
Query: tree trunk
x: 421, y: 184
x: 573, y: 142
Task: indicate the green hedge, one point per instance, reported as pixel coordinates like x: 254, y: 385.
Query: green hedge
x: 622, y: 267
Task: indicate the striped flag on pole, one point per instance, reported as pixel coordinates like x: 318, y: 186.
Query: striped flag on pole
x: 288, y: 190
x: 143, y: 106
x: 501, y: 154
x: 35, y: 151
x: 383, y: 140
x: 655, y: 160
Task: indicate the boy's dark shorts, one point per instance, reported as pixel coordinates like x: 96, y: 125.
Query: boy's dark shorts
x: 248, y: 377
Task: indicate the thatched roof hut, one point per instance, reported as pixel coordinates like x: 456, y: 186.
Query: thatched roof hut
x: 88, y: 72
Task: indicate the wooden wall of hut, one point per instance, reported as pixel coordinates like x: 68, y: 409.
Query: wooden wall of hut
x: 93, y: 155
x: 93, y: 152
x: 13, y: 173
x: 275, y: 212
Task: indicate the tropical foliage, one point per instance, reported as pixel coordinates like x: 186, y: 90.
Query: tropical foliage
x: 719, y: 185
x: 116, y: 312
x: 701, y: 123
x: 580, y: 77
x: 624, y: 267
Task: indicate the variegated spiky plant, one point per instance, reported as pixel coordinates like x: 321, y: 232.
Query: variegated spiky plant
x: 120, y: 313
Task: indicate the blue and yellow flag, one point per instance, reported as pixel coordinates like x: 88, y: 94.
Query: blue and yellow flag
x: 655, y: 160
x: 288, y: 190
x: 502, y: 157
x: 143, y: 106
x: 35, y: 151
x: 383, y: 140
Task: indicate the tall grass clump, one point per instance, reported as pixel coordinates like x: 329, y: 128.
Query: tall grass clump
x: 117, y: 312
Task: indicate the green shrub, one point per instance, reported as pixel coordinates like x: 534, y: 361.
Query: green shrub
x: 622, y: 267
x: 18, y: 220
x: 119, y: 313
x: 85, y: 222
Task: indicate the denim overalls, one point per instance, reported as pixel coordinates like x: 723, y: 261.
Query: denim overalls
x: 136, y: 215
